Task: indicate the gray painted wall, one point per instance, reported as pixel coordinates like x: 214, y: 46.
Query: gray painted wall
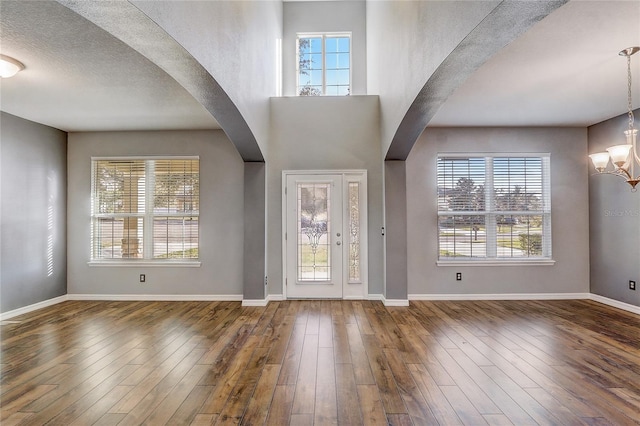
x: 236, y: 42
x: 395, y: 208
x: 255, y: 209
x: 318, y: 133
x: 408, y: 40
x: 221, y: 215
x: 614, y: 222
x: 569, y: 215
x: 33, y: 200
x: 325, y: 16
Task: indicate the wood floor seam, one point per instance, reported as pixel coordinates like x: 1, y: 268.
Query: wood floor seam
x: 318, y: 362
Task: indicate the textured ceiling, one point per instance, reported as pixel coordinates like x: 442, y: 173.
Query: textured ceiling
x: 80, y: 78
x: 565, y: 71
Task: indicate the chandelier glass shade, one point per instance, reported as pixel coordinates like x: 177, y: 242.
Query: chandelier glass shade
x: 623, y: 157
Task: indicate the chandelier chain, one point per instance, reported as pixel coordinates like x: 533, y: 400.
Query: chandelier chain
x: 624, y: 156
x: 631, y: 118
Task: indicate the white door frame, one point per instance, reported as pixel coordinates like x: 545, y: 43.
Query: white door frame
x: 351, y: 290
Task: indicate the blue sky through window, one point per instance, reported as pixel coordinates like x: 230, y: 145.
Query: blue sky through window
x: 329, y: 75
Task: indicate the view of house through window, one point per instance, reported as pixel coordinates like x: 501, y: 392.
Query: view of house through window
x: 324, y: 64
x: 145, y: 208
x: 493, y: 207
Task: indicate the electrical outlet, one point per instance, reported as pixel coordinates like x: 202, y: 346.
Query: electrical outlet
x: 458, y: 276
x: 142, y: 278
x: 632, y: 285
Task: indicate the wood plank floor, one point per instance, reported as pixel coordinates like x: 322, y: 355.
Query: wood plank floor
x: 321, y: 362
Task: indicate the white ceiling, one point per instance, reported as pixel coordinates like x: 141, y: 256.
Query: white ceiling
x: 80, y: 78
x: 565, y: 71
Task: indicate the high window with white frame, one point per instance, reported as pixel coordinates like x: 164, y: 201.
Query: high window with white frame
x: 494, y: 207
x: 324, y: 64
x: 145, y: 208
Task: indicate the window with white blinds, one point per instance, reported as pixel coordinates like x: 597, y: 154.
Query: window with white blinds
x: 144, y: 208
x: 495, y: 207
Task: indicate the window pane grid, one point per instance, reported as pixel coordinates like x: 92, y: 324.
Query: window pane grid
x: 520, y: 236
x: 461, y: 184
x: 125, y: 228
x: 517, y: 183
x: 324, y: 64
x: 462, y: 236
x: 175, y: 237
x: 117, y: 237
x: 493, y: 207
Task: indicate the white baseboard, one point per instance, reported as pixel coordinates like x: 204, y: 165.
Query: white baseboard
x: 396, y: 302
x: 388, y: 302
x: 615, y: 303
x: 263, y: 302
x: 124, y: 297
x: 255, y: 302
x: 26, y: 309
x: 279, y: 297
x: 501, y: 296
x: 159, y: 297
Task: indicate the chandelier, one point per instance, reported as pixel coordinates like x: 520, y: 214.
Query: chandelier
x: 623, y: 157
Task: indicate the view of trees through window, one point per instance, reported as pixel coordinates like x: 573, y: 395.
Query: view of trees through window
x: 144, y: 209
x: 324, y: 65
x: 493, y: 207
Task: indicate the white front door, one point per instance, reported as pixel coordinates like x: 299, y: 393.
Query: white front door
x: 322, y: 235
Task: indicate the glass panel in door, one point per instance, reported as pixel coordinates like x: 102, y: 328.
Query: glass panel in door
x: 314, y: 227
x: 314, y: 236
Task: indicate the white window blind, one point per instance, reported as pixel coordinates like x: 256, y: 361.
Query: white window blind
x: 494, y: 207
x: 145, y: 208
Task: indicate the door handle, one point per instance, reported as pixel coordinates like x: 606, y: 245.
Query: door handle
x: 339, y: 243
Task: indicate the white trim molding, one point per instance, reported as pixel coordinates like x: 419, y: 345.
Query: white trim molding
x: 263, y: 302
x: 143, y: 264
x: 30, y: 308
x: 159, y: 297
x: 255, y: 302
x: 378, y: 297
x: 279, y: 297
x: 615, y: 303
x: 501, y: 296
x: 505, y: 262
x: 350, y: 291
x: 388, y: 302
x: 396, y: 302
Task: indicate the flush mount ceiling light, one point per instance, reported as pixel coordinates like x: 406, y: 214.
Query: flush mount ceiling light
x: 623, y: 157
x: 9, y: 66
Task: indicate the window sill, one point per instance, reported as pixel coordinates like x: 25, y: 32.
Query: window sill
x: 536, y: 262
x: 145, y: 263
